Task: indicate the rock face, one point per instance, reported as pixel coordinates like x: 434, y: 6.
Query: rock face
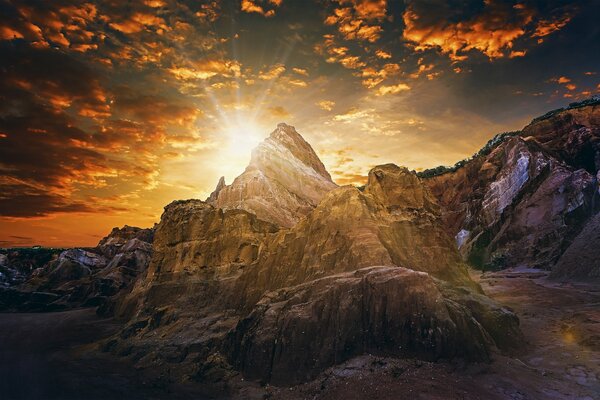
x: 84, y: 277
x: 296, y: 332
x: 284, y: 181
x: 581, y: 261
x: 525, y: 201
x: 17, y: 265
x: 395, y: 221
x: 361, y: 271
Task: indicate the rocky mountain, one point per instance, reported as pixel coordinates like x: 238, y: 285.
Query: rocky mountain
x: 524, y: 198
x: 283, y: 182
x: 83, y: 277
x: 328, y: 274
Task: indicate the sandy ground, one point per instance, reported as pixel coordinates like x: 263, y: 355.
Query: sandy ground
x: 47, y: 356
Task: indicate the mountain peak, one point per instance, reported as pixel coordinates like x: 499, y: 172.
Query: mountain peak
x: 284, y: 180
x: 286, y: 135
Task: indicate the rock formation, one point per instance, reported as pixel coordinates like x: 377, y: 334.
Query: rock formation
x: 283, y: 182
x: 581, y: 260
x: 523, y: 201
x: 362, y: 271
x: 84, y: 277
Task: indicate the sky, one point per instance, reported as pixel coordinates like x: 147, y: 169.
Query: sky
x: 109, y: 110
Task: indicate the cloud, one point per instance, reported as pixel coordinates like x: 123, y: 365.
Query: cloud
x: 338, y: 54
x: 51, y: 161
x: 209, y: 12
x: 373, y: 77
x: 383, y: 54
x: 137, y: 22
x: 392, y: 89
x: 273, y: 72
x: 259, y: 7
x: 358, y: 19
x: 353, y: 114
x: 206, y: 69
x: 546, y: 27
x: 326, y: 105
x: 491, y: 30
x: 51, y: 23
x: 300, y: 71
x: 279, y: 112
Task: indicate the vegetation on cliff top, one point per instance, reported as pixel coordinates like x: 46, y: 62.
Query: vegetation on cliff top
x: 501, y: 137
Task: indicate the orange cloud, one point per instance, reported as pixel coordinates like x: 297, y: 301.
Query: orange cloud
x: 546, y: 27
x: 206, y: 69
x: 373, y: 77
x: 339, y: 54
x: 253, y: 6
x: 383, y: 54
x: 491, y: 32
x: 63, y: 26
x: 357, y: 19
x: 300, y: 71
x: 272, y: 73
x: 392, y: 89
x: 137, y: 22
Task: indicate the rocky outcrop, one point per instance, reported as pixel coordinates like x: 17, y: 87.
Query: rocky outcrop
x: 294, y: 333
x: 215, y: 194
x: 283, y: 182
x: 524, y: 201
x: 227, y: 291
x: 17, y: 264
x: 581, y: 260
x: 197, y: 250
x: 84, y: 277
x: 112, y: 244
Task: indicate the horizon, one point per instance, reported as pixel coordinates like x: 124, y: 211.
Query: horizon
x: 112, y: 111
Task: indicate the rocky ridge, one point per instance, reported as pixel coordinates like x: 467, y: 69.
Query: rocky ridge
x: 83, y: 277
x: 524, y: 201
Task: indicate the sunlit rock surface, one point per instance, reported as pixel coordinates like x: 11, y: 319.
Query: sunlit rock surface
x: 294, y: 333
x: 228, y: 291
x: 283, y: 182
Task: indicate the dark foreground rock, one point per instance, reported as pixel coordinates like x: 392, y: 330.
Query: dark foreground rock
x: 294, y: 333
x: 581, y: 260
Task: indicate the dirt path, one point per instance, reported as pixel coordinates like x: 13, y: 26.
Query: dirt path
x: 561, y: 323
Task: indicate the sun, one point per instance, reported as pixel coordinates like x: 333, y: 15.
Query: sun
x: 239, y: 137
x: 242, y: 137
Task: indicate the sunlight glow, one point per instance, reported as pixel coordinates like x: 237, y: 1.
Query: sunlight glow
x: 240, y: 136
